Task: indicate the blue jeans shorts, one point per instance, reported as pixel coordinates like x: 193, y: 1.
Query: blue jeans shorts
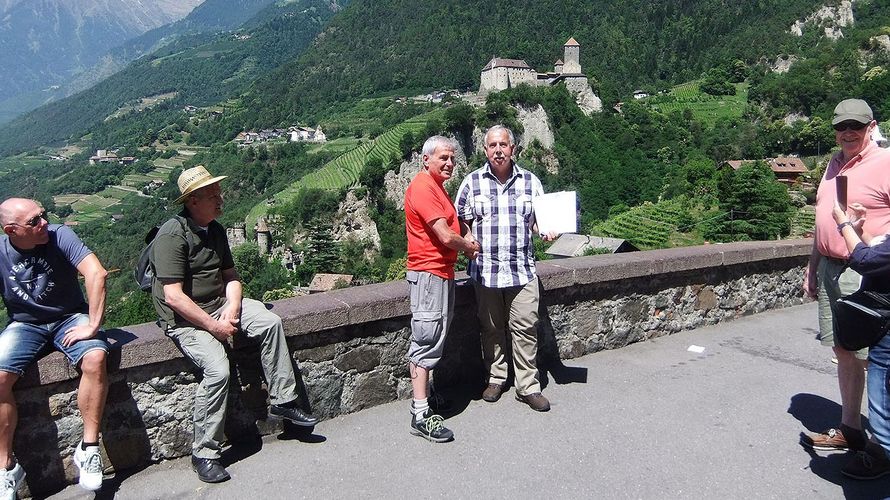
x: 21, y: 343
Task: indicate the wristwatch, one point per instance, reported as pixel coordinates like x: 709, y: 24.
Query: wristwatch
x: 840, y: 227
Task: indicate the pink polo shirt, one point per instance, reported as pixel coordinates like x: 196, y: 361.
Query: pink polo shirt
x: 868, y: 183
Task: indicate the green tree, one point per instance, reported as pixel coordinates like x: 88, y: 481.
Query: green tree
x: 757, y: 206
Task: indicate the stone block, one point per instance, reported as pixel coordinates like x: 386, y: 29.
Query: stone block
x: 362, y: 358
x: 706, y: 299
x: 369, y: 389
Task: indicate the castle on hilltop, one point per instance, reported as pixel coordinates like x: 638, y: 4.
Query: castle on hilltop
x: 501, y: 74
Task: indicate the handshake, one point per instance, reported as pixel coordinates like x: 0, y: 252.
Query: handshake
x: 471, y: 246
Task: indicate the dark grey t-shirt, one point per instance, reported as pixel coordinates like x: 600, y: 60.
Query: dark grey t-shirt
x: 40, y: 285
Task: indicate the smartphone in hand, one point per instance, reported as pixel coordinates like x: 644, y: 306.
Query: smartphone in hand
x: 841, y: 184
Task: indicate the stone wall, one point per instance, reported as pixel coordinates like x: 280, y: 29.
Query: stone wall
x: 351, y: 343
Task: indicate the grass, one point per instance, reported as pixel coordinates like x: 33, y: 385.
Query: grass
x: 705, y: 108
x: 649, y: 226
x: 13, y: 163
x: 343, y: 171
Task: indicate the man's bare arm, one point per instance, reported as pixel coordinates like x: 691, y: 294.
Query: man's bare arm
x: 451, y: 239
x: 94, y: 281
x: 234, y: 293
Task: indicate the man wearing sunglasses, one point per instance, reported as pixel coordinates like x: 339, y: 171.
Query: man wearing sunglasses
x: 863, y: 166
x: 40, y: 263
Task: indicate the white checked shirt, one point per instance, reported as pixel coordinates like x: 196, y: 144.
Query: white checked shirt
x: 501, y: 216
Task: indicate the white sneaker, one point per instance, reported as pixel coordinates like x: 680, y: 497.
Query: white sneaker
x: 10, y: 481
x: 89, y: 462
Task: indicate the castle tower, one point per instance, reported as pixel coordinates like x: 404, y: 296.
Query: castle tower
x: 263, y: 236
x: 237, y: 234
x: 572, y: 57
x: 557, y: 66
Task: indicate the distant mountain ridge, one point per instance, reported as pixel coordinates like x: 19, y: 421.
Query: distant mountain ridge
x: 202, y: 68
x: 207, y: 17
x: 44, y: 42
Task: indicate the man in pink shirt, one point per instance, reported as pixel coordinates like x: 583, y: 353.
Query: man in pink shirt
x: 867, y: 170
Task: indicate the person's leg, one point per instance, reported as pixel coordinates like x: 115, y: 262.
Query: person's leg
x: 523, y: 325
x: 879, y: 393
x: 850, y: 365
x: 91, y: 393
x: 8, y: 418
x: 90, y: 357
x: 259, y: 323
x: 833, y: 282
x: 851, y: 381
x: 492, y: 312
x: 20, y: 343
x: 431, y: 300
x: 212, y: 393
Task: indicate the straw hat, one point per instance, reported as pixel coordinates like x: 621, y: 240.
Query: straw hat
x: 194, y: 179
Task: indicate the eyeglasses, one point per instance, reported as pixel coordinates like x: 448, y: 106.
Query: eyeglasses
x: 33, y: 221
x: 849, y: 125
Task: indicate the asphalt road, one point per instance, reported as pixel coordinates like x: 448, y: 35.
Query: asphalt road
x: 651, y: 420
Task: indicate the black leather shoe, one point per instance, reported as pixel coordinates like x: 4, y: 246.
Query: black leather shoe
x: 293, y: 414
x: 209, y: 470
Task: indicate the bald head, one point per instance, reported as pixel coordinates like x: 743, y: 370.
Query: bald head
x: 13, y: 209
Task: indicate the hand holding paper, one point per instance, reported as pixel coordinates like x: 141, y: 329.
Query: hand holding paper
x: 556, y: 213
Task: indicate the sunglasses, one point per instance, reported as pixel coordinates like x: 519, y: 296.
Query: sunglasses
x: 33, y: 221
x: 850, y: 125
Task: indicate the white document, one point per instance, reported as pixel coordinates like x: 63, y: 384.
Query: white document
x: 556, y: 212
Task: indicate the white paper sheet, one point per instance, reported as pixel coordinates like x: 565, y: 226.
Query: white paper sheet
x: 556, y: 212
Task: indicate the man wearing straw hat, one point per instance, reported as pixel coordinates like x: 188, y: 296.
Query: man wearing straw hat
x: 197, y: 295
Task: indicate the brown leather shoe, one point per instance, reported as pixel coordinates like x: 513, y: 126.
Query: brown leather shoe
x: 493, y: 392
x: 536, y: 400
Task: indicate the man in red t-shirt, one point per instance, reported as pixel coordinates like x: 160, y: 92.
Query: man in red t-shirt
x: 433, y: 242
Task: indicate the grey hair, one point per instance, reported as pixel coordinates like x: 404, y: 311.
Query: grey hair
x: 499, y: 128
x: 437, y: 141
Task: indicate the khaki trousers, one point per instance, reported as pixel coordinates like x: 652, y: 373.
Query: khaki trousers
x: 510, y: 312
x: 210, y: 356
x: 835, y: 280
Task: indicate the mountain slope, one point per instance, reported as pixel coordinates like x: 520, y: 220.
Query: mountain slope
x: 208, y: 16
x: 43, y: 42
x: 201, y: 69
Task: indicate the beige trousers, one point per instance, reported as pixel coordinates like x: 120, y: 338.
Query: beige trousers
x: 510, y: 312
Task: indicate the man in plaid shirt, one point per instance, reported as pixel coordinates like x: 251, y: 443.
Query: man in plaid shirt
x: 495, y: 201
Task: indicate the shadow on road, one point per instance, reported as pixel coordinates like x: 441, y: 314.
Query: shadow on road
x: 817, y: 414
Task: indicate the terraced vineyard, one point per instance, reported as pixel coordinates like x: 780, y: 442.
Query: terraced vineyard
x: 647, y: 226
x: 343, y: 171
x: 803, y: 223
x: 705, y: 108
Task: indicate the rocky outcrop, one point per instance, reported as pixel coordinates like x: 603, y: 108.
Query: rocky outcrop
x: 353, y: 222
x: 791, y: 118
x: 831, y: 17
x: 536, y: 126
x: 587, y: 101
x: 783, y: 63
x: 396, y: 181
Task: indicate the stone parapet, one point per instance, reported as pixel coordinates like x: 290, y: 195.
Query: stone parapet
x: 351, y: 345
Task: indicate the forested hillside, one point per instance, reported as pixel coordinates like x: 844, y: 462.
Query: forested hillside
x: 403, y: 46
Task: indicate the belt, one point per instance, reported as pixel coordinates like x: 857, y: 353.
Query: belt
x: 836, y: 261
